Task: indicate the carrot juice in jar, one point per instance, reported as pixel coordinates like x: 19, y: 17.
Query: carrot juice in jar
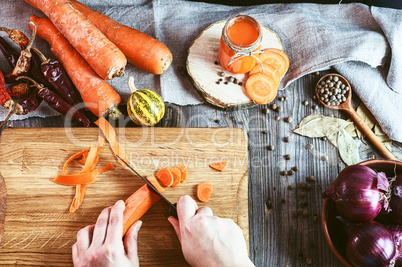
x: 241, y: 35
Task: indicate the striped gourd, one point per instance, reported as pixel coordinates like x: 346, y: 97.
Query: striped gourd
x: 145, y: 106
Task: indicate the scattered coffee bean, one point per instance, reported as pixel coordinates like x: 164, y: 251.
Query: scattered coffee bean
x: 286, y: 139
x: 287, y: 157
x: 281, y: 98
x: 270, y: 147
x: 305, y: 103
x: 295, y: 168
x: 290, y: 187
x: 310, y: 178
x: 274, y: 106
x: 231, y: 79
x: 291, y: 172
x: 218, y: 82
x: 265, y: 110
x: 222, y: 74
x: 324, y: 158
x: 235, y: 81
x: 283, y: 173
x: 226, y: 82
x: 278, y: 109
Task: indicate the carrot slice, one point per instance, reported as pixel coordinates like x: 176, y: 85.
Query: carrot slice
x: 204, y: 191
x: 137, y: 204
x: 277, y: 58
x: 76, y: 179
x: 165, y: 177
x: 268, y: 69
x: 219, y: 166
x: 152, y: 179
x: 261, y: 88
x: 111, y: 137
x: 183, y: 170
x: 176, y: 172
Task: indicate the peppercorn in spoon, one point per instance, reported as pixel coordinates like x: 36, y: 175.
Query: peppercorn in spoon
x: 334, y: 91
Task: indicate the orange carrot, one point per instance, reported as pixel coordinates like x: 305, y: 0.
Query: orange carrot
x: 219, y: 166
x: 108, y: 167
x: 137, y: 204
x: 141, y: 50
x: 277, y: 58
x: 261, y: 88
x: 76, y: 179
x: 268, y: 69
x: 165, y: 177
x: 104, y: 57
x: 152, y: 179
x: 183, y: 170
x: 204, y: 191
x: 176, y: 173
x: 98, y: 95
x: 111, y: 137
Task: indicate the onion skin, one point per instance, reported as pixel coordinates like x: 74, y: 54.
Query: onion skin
x: 395, y: 203
x: 359, y: 193
x: 370, y: 244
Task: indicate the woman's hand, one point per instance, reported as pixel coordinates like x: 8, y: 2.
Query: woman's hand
x: 101, y: 244
x: 207, y: 240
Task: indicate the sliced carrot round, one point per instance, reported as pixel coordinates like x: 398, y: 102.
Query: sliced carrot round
x: 176, y: 176
x: 261, y: 88
x: 268, y: 69
x: 219, y: 166
x: 277, y: 58
x: 152, y: 179
x: 165, y: 177
x: 183, y: 170
x: 204, y: 191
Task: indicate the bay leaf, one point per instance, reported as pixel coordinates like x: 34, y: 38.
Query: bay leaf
x: 367, y: 117
x: 378, y: 130
x: 308, y: 118
x: 320, y: 126
x: 351, y: 129
x: 348, y: 149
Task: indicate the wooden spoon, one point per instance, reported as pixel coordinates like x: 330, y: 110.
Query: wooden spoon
x: 347, y: 106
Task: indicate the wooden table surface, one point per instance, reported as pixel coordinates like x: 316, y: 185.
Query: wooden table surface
x: 277, y: 237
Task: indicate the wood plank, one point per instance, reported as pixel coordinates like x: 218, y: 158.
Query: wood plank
x: 39, y: 230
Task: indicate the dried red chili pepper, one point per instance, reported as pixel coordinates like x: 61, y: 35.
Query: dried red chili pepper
x: 19, y: 90
x: 5, y: 98
x: 55, y: 74
x: 57, y: 103
x: 24, y: 60
x: 9, y: 53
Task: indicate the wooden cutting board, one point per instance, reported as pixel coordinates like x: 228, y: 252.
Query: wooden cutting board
x: 38, y: 228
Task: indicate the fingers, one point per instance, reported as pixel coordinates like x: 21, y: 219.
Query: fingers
x: 115, y: 227
x: 100, y: 228
x: 84, y: 237
x: 186, y: 208
x: 206, y: 211
x: 176, y: 226
x: 131, y: 241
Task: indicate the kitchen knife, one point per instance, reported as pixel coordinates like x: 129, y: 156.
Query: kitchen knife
x: 172, y: 209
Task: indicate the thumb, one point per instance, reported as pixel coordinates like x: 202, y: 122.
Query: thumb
x: 130, y: 241
x: 176, y: 226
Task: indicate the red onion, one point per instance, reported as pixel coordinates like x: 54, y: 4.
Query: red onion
x: 370, y: 244
x: 395, y: 202
x: 359, y: 193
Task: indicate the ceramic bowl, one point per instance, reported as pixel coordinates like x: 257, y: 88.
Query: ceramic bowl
x: 333, y: 228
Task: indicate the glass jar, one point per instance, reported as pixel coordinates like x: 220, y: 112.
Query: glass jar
x: 241, y: 36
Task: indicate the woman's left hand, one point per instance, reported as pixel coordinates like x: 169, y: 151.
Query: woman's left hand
x: 101, y: 244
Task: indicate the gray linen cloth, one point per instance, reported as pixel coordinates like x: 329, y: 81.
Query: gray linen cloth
x: 362, y: 43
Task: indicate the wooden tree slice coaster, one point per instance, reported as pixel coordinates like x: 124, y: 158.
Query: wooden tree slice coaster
x: 202, y: 55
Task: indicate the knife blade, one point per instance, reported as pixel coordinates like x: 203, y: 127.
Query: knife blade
x: 172, y: 209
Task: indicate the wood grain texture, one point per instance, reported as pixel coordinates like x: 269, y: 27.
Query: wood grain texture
x: 202, y: 54
x: 39, y: 230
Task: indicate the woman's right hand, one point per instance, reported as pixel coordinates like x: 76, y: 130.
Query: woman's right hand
x: 208, y: 240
